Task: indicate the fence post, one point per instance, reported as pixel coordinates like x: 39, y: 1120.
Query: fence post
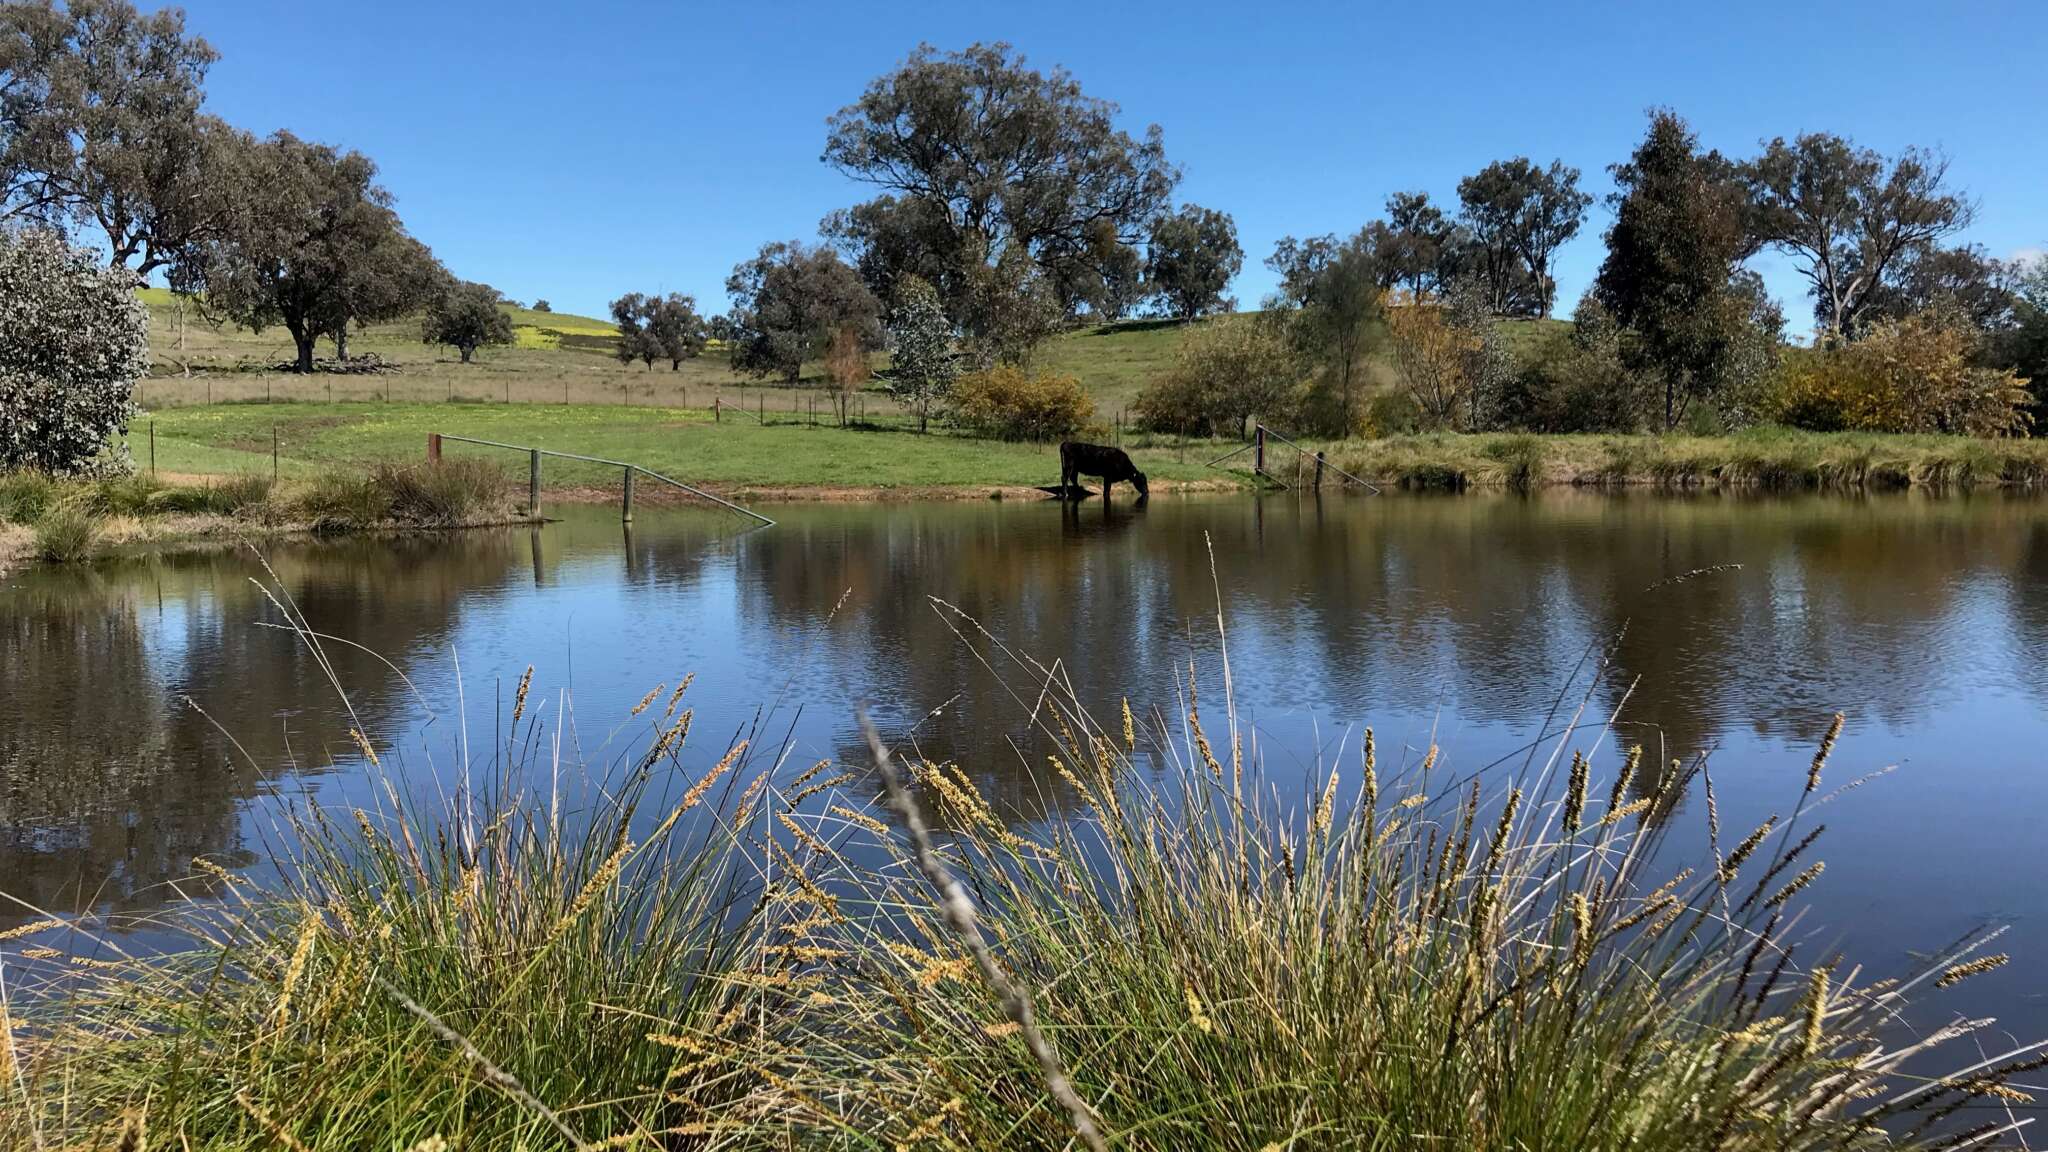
x: 433, y: 447
x: 152, y: 448
x: 533, y: 484
x: 273, y: 453
x: 1319, y: 471
x: 626, y: 497
x: 718, y: 409
x: 1259, y: 451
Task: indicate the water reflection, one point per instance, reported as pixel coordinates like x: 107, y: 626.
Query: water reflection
x: 1455, y: 620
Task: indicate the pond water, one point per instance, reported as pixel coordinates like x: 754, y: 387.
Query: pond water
x: 151, y: 709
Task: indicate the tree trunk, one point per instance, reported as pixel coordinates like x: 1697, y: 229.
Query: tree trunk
x: 305, y: 344
x: 341, y: 346
x: 466, y: 350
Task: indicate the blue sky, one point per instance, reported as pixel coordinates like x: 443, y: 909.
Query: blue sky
x: 576, y: 153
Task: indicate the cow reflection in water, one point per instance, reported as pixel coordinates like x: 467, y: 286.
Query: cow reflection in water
x: 1078, y: 519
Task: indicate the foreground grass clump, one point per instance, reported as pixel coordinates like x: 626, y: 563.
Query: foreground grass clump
x: 520, y: 973
x: 1412, y: 957
x: 1415, y: 957
x: 66, y: 533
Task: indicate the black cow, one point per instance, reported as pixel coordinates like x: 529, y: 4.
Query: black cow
x: 1111, y: 464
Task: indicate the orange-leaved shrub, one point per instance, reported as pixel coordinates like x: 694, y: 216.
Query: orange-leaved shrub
x: 1006, y: 402
x: 1917, y: 374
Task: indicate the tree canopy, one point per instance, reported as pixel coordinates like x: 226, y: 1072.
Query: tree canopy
x: 922, y: 368
x: 1680, y: 235
x: 1334, y: 289
x: 312, y: 245
x: 1519, y: 214
x: 789, y: 301
x: 658, y: 328
x: 1847, y: 216
x: 1191, y: 257
x: 101, y: 126
x: 991, y: 170
x: 466, y: 316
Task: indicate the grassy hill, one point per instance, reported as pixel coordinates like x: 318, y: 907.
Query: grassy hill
x: 562, y: 358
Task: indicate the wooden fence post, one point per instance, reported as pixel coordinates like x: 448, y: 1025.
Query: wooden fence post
x: 718, y: 409
x: 1319, y: 471
x: 626, y: 497
x: 1259, y: 451
x: 152, y: 448
x: 533, y: 484
x: 273, y: 453
x: 433, y: 447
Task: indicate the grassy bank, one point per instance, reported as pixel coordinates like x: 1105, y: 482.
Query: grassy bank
x: 718, y: 955
x: 789, y: 456
x: 734, y: 454
x: 1767, y: 458
x: 64, y: 521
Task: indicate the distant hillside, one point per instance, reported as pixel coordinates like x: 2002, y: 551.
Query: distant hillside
x: 1114, y: 361
x: 561, y: 330
x: 532, y: 329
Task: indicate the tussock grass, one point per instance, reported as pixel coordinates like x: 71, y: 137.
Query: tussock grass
x: 26, y: 496
x: 67, y: 533
x: 1408, y: 956
x: 446, y: 492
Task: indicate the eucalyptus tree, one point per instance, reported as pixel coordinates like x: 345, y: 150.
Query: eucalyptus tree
x: 466, y: 316
x: 101, y: 125
x: 1519, y: 214
x: 788, y: 303
x: 1848, y: 216
x: 1191, y: 256
x: 312, y: 245
x: 997, y: 181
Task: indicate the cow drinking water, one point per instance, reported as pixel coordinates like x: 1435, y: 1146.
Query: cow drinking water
x: 1111, y: 464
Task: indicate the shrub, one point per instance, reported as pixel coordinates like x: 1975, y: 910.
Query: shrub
x: 67, y: 533
x: 73, y: 338
x: 1010, y: 403
x: 1917, y: 374
x: 25, y: 496
x: 1576, y: 381
x: 1434, y: 358
x: 1227, y: 371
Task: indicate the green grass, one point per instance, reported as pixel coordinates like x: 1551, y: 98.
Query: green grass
x: 690, y: 950
x: 739, y: 453
x: 686, y: 444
